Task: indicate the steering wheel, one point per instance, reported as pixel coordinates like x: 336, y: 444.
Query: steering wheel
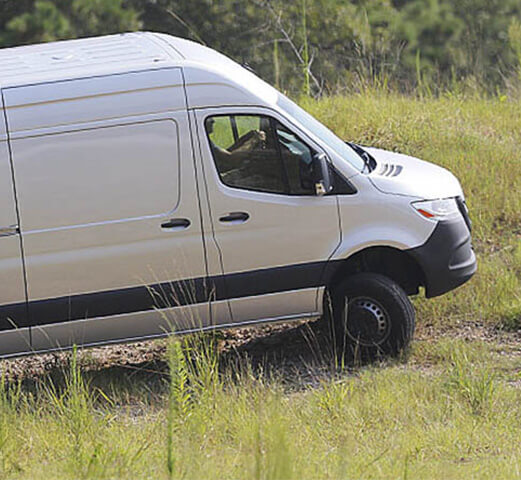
x: 246, y: 138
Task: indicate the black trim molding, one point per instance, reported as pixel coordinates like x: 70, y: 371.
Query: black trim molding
x: 164, y: 295
x: 447, y: 258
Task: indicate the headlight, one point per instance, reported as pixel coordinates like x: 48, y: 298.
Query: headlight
x: 443, y: 209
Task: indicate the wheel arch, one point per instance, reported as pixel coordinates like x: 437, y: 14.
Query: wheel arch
x: 396, y: 264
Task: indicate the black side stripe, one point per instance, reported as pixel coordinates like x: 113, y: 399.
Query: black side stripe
x: 165, y: 295
x: 11, y: 316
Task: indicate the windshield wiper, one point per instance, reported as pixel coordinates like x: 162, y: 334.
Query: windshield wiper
x: 369, y: 161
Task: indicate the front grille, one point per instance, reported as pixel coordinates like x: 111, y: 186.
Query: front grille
x: 464, y: 212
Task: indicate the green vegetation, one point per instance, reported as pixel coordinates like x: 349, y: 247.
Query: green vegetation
x: 450, y: 413
x: 450, y: 409
x: 311, y: 46
x: 478, y: 140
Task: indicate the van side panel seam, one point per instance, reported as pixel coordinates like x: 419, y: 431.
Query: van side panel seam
x: 20, y: 311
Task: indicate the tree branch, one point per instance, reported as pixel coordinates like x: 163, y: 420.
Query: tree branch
x: 289, y: 41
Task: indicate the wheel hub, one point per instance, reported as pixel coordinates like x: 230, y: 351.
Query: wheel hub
x: 367, y: 321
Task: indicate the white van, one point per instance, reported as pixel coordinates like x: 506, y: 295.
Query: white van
x: 149, y: 184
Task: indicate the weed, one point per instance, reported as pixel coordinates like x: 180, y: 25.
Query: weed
x: 475, y: 384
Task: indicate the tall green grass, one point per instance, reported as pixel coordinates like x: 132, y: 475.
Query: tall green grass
x: 479, y: 141
x: 451, y: 409
x: 459, y: 416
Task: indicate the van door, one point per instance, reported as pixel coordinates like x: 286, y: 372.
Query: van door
x: 109, y: 209
x: 275, y: 235
x: 14, y: 337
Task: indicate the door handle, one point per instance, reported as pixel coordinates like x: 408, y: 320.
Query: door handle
x: 235, y: 217
x: 176, y: 224
x: 9, y: 231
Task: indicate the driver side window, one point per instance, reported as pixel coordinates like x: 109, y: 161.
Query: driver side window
x: 254, y: 152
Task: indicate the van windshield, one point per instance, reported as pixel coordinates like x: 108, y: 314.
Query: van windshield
x: 321, y: 131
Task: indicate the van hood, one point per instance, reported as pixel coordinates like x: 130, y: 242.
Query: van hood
x: 400, y: 174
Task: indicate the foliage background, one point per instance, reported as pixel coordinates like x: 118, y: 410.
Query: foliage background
x: 312, y: 46
x: 451, y: 408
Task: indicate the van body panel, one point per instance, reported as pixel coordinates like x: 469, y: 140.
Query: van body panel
x: 92, y: 99
x: 369, y: 219
x: 294, y: 302
x: 232, y: 85
x: 12, y: 300
x: 11, y: 276
x: 88, y: 177
x: 414, y: 178
x: 284, y: 245
x: 212, y: 79
x: 7, y: 199
x: 95, y: 199
x: 15, y: 341
x: 63, y: 60
x: 127, y: 327
x: 177, y: 320
x: 213, y: 254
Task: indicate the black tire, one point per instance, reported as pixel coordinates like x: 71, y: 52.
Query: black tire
x: 380, y: 318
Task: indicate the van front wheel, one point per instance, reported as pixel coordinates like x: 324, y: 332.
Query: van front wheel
x: 372, y: 315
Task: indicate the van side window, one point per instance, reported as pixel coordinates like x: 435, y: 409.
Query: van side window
x: 255, y: 152
x: 297, y: 158
x: 249, y: 159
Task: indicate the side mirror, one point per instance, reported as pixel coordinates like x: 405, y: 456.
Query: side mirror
x: 321, y: 175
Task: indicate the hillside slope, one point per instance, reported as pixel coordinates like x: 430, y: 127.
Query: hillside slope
x: 276, y: 403
x: 480, y: 142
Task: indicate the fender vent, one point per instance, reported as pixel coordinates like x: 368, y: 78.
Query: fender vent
x: 389, y: 170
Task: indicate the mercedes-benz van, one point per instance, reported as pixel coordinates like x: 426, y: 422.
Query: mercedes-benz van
x: 149, y: 184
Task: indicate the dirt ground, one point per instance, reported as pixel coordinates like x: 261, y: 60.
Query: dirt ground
x: 299, y: 350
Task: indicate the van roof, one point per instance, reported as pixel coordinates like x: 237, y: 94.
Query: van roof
x: 133, y: 52
x: 120, y: 53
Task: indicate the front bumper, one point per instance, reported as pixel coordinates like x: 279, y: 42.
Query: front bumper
x: 447, y: 258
